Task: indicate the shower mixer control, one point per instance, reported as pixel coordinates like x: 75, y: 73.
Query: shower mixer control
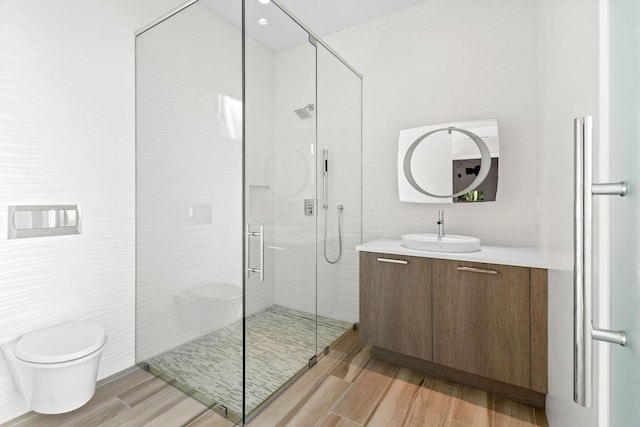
x: 309, y: 207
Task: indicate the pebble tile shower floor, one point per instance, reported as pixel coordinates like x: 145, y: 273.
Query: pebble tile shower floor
x: 279, y: 343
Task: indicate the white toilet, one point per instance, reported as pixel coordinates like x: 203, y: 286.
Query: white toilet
x: 56, y: 368
x: 209, y: 307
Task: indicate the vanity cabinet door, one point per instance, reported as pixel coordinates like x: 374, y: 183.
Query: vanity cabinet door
x: 482, y: 320
x: 395, y: 303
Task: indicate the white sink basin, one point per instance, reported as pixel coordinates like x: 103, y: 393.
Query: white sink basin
x: 449, y: 243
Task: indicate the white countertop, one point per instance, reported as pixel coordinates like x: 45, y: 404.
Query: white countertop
x: 504, y: 255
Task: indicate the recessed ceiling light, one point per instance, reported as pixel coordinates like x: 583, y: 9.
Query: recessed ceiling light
x: 263, y: 21
x: 264, y: 1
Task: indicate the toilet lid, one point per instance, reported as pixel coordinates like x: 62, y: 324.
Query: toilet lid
x: 61, y: 343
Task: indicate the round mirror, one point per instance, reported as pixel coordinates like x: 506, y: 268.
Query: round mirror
x: 455, y: 162
x: 485, y: 162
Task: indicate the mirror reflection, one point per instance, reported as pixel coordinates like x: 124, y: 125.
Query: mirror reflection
x: 455, y: 162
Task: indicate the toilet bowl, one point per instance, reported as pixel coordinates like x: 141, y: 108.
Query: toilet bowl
x: 56, y: 368
x: 206, y: 308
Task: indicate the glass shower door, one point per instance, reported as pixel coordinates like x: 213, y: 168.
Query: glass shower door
x: 189, y: 203
x: 625, y: 211
x: 279, y: 201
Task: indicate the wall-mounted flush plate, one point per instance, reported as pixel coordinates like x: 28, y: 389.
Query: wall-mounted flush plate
x: 43, y: 221
x: 309, y: 207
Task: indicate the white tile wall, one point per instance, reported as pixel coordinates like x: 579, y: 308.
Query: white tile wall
x: 339, y: 131
x: 67, y: 137
x: 259, y: 171
x: 299, y: 259
x: 295, y: 179
x: 442, y: 61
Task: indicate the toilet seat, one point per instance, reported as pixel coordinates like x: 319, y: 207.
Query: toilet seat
x: 62, y: 343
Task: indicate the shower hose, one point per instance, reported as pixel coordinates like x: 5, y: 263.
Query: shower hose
x: 326, y: 216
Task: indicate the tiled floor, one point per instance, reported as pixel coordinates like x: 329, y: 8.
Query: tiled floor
x: 346, y: 388
x: 279, y: 340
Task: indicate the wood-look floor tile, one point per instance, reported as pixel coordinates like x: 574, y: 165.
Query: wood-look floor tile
x: 508, y: 413
x: 142, y: 391
x: 104, y: 392
x: 317, y: 404
x: 541, y: 418
x: 183, y: 413
x: 210, y: 419
x: 98, y: 414
x: 434, y: 404
x: 395, y: 404
x: 148, y: 409
x: 361, y: 399
x: 291, y: 397
x: 473, y: 407
x: 125, y: 381
x: 317, y: 398
x: 118, y: 385
x: 32, y: 419
x: 348, y: 343
x: 353, y: 363
x: 334, y: 420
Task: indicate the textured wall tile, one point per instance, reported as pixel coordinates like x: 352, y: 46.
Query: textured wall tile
x: 339, y: 131
x: 444, y: 61
x: 67, y: 137
x: 189, y: 153
x: 295, y: 179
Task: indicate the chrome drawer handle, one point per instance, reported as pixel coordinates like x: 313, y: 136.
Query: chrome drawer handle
x: 477, y: 270
x: 393, y: 261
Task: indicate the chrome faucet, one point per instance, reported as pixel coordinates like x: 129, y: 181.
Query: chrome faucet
x: 440, y: 224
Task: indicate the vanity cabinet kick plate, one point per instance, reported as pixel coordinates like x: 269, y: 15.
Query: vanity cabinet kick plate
x: 43, y: 221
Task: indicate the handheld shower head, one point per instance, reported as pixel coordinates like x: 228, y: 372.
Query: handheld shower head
x: 305, y: 112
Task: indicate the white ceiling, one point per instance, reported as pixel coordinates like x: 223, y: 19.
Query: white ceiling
x: 322, y: 17
x: 325, y: 17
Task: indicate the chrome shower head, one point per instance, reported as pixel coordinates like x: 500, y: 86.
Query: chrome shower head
x: 305, y: 112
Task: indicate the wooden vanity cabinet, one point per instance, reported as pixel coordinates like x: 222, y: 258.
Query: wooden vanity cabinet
x: 395, y: 304
x: 475, y: 323
x: 481, y: 320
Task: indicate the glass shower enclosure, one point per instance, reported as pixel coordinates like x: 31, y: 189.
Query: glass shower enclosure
x: 248, y: 192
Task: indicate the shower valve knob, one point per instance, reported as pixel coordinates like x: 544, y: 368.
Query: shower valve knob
x: 309, y: 207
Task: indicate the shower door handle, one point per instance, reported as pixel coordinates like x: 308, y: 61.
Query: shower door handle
x: 584, y: 331
x: 247, y: 251
x: 325, y: 177
x: 262, y: 253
